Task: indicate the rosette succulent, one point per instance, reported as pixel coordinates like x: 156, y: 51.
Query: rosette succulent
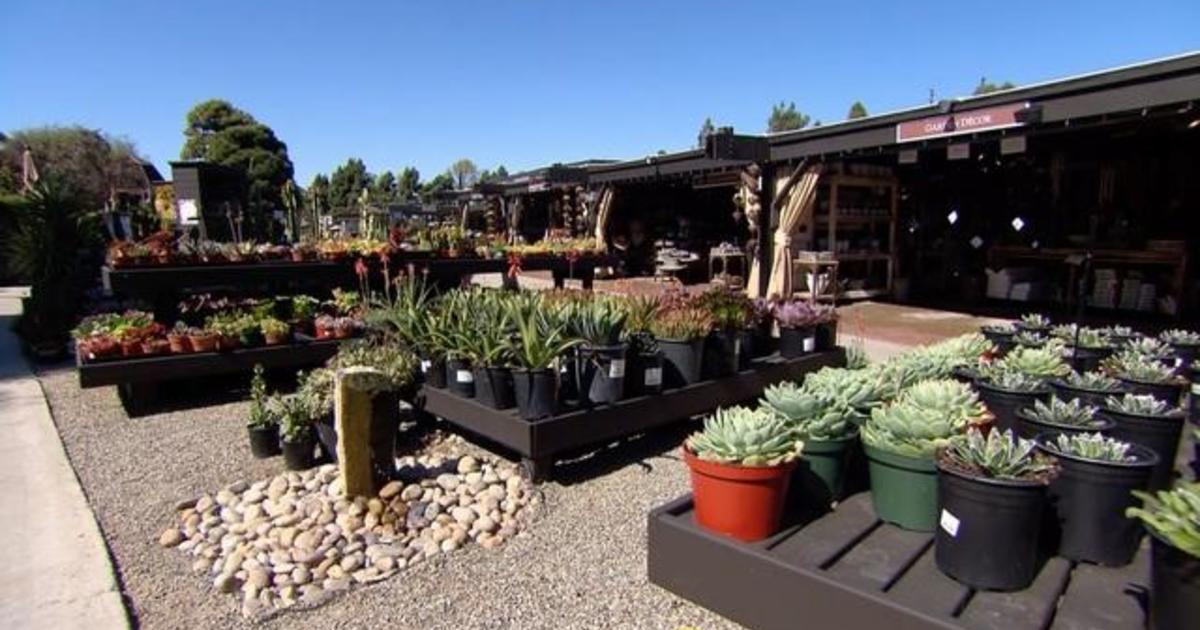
x: 923, y: 419
x: 812, y: 416
x: 1139, y: 405
x: 1014, y: 381
x: 1041, y: 363
x: 857, y: 389
x: 1149, y: 348
x: 1094, y: 381
x: 1093, y: 446
x: 1000, y: 455
x: 1073, y: 414
x: 1030, y: 339
x: 1180, y: 337
x: 1173, y: 515
x: 1034, y: 321
x: 745, y: 437
x: 1138, y: 367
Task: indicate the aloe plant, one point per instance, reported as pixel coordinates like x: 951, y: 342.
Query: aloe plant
x: 539, y: 341
x: 745, y: 437
x: 1073, y: 414
x: 1138, y: 405
x: 1174, y: 515
x: 1180, y: 337
x: 812, y: 416
x: 599, y: 322
x: 1092, y: 446
x: 1000, y: 455
x: 924, y: 418
x: 1094, y: 381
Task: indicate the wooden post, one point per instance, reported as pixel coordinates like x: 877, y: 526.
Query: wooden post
x: 354, y: 387
x: 768, y: 217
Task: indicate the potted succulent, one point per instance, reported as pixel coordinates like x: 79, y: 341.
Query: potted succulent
x: 797, y: 322
x: 1084, y: 347
x: 295, y: 415
x: 741, y: 464
x: 491, y: 355
x: 1090, y: 388
x: 1146, y: 420
x: 680, y: 334
x: 323, y: 326
x: 275, y: 332
x: 644, y: 362
x: 202, y: 339
x: 1058, y: 417
x: 1184, y: 343
x: 1030, y: 339
x: 301, y: 252
x: 178, y: 339
x: 225, y: 329
x: 97, y: 346
x: 992, y: 491
x: 1120, y: 335
x: 1001, y: 335
x: 1173, y: 520
x: 1033, y: 322
x: 249, y: 333
x: 155, y: 345
x: 1018, y: 380
x: 303, y: 309
x: 901, y: 440
x: 538, y: 345
x: 600, y: 325
x: 1143, y: 374
x: 764, y: 323
x: 732, y: 313
x: 344, y: 327
x: 1091, y: 493
x: 826, y: 427
x: 263, y: 423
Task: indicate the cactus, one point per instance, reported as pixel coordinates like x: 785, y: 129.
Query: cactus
x: 745, y: 437
x: 290, y: 195
x: 1179, y: 337
x: 812, y: 416
x: 1138, y: 405
x: 1001, y: 455
x: 1074, y: 413
x: 1095, y: 381
x: 923, y: 418
x: 1093, y: 446
x: 1173, y: 515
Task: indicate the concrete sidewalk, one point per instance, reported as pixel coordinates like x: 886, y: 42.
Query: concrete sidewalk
x: 54, y: 568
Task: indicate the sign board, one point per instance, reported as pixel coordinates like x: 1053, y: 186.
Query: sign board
x: 538, y: 184
x: 961, y: 151
x: 189, y: 214
x: 1012, y: 144
x: 957, y: 123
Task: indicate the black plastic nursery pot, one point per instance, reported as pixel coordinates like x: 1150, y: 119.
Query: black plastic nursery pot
x: 1157, y: 433
x: 720, y: 354
x: 264, y: 441
x: 825, y: 336
x: 1174, y: 586
x: 988, y: 530
x: 745, y: 349
x: 1029, y: 427
x: 643, y: 374
x: 1093, y: 397
x: 494, y: 387
x: 903, y: 489
x: 965, y: 375
x: 298, y: 455
x: 460, y: 379
x: 797, y: 342
x: 602, y: 373
x: 1088, y: 499
x: 764, y: 342
x: 435, y: 372
x: 682, y: 361
x: 1169, y: 393
x: 1004, y: 403
x: 1087, y: 359
x: 823, y: 468
x: 536, y: 392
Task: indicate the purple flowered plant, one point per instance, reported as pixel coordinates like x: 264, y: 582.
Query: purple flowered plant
x: 795, y: 314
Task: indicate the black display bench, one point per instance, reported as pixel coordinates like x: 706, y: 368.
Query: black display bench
x: 137, y: 379
x: 540, y: 442
x: 847, y: 569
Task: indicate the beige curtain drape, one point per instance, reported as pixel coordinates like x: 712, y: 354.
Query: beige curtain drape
x: 800, y: 195
x: 603, y: 212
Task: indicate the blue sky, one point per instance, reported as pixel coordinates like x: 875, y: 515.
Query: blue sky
x: 530, y: 83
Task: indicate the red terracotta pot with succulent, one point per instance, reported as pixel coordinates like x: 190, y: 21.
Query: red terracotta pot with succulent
x: 741, y: 465
x: 178, y: 339
x: 202, y: 340
x: 323, y: 326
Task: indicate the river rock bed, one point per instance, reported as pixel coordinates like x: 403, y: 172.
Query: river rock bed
x: 294, y: 541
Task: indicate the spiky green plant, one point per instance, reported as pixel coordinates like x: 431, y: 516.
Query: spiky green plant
x: 1139, y: 405
x: 1180, y: 337
x: 1001, y: 455
x: 856, y: 357
x: 1148, y: 347
x: 811, y: 416
x: 857, y: 389
x: 745, y: 437
x: 1174, y: 515
x: 259, y: 417
x: 1030, y: 339
x: 923, y: 419
x: 1072, y: 414
x: 1139, y: 367
x: 1094, y: 381
x: 1042, y: 363
x: 1092, y: 446
x: 1035, y: 321
x: 539, y: 340
x: 964, y: 348
x: 1013, y: 381
x: 600, y: 321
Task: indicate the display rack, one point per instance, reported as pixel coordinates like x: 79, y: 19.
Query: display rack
x: 855, y: 219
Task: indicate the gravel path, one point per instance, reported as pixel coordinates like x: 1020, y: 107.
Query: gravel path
x: 581, y: 562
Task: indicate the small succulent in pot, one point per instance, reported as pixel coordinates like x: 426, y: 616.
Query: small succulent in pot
x: 681, y: 324
x: 1040, y: 363
x: 1140, y: 405
x: 1005, y: 328
x: 1062, y: 413
x: 275, y: 331
x: 1000, y: 455
x: 1148, y: 348
x: 1034, y: 321
x: 924, y: 418
x: 1030, y: 339
x: 812, y: 416
x: 1093, y: 381
x: 860, y: 390
x: 1091, y: 446
x: 1180, y: 337
x: 1134, y: 366
x: 795, y: 314
x: 1013, y: 381
x: 744, y: 437
x: 730, y: 309
x: 1173, y: 516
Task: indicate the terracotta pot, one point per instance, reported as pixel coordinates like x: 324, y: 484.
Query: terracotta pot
x: 206, y: 343
x: 131, y: 348
x: 324, y: 332
x: 155, y: 346
x: 180, y: 344
x: 739, y: 501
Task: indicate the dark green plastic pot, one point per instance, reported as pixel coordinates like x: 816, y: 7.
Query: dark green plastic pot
x: 903, y: 489
x: 822, y: 471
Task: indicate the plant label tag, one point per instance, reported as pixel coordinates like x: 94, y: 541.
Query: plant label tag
x: 1178, y: 362
x: 464, y: 376
x: 616, y: 369
x: 737, y: 347
x: 949, y: 522
x: 653, y: 377
x: 810, y: 344
x: 425, y: 365
x: 1196, y: 389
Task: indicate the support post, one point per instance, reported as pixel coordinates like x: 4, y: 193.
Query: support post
x: 768, y: 217
x: 354, y: 388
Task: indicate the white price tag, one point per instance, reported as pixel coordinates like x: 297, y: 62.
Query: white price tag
x: 810, y: 344
x: 616, y: 369
x: 1178, y: 361
x: 464, y: 376
x: 1196, y: 389
x: 425, y: 365
x: 949, y: 523
x: 653, y: 377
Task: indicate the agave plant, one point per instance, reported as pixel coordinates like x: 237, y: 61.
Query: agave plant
x: 1138, y: 367
x: 1173, y: 515
x: 923, y: 419
x: 601, y: 321
x: 1000, y: 455
x: 812, y: 416
x: 1138, y: 405
x: 1034, y: 321
x: 745, y: 437
x: 1092, y: 446
x: 1094, y: 381
x: 1073, y: 414
x: 1180, y: 337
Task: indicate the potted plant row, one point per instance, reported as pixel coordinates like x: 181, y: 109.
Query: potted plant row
x: 1018, y: 380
